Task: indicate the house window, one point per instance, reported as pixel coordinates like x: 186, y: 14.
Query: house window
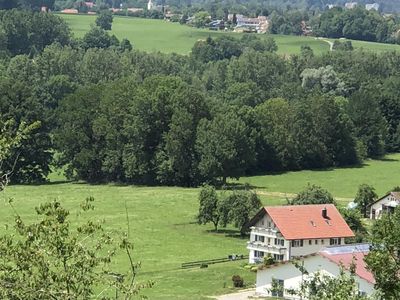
x: 258, y: 254
x: 269, y: 241
x: 310, y: 242
x: 269, y: 225
x: 322, y: 242
x: 373, y: 214
x: 316, y: 242
x: 278, y: 257
x: 279, y: 242
x: 259, y: 238
x: 297, y: 243
x: 335, y: 241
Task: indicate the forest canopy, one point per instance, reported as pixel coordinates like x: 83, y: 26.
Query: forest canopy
x: 232, y: 107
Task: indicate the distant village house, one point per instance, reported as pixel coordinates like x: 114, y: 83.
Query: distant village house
x: 372, y: 6
x: 350, y: 5
x: 259, y: 24
x: 385, y: 204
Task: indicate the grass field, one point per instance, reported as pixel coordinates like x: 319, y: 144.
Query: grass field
x: 163, y: 229
x: 163, y: 225
x: 167, y: 37
x: 341, y: 182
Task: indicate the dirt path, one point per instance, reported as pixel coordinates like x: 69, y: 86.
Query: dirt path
x: 291, y: 196
x: 326, y: 41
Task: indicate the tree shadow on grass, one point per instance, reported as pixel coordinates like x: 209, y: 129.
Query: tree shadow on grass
x: 386, y: 159
x: 357, y: 166
x: 186, y: 223
x: 45, y: 183
x: 236, y: 186
x: 232, y: 233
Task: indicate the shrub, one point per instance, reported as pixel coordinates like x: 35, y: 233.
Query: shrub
x: 237, y: 281
x: 268, y: 260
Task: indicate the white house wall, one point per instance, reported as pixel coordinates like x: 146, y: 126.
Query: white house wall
x: 378, y: 205
x: 264, y: 222
x: 292, y: 276
x: 309, y: 249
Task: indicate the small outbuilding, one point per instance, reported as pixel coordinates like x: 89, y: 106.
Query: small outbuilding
x: 387, y: 204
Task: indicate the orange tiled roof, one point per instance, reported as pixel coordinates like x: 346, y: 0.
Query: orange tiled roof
x: 307, y: 222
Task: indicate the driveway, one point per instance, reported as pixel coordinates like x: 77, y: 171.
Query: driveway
x: 244, y: 295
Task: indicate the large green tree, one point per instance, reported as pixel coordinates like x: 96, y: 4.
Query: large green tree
x: 225, y: 146
x: 104, y: 19
x: 312, y: 194
x: 209, y: 203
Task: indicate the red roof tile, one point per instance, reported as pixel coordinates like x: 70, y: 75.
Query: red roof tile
x: 346, y: 260
x: 306, y: 221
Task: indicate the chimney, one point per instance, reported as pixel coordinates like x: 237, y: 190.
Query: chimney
x: 324, y: 213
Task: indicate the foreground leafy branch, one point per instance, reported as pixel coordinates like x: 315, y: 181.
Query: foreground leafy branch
x: 50, y: 259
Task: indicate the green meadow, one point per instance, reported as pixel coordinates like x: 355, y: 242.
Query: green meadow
x: 163, y: 221
x: 343, y: 182
x: 158, y: 35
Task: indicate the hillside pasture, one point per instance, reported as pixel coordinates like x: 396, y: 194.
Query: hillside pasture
x: 163, y: 221
x: 167, y: 37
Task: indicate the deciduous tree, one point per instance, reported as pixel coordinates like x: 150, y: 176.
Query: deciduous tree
x: 312, y: 194
x: 364, y: 198
x: 104, y: 19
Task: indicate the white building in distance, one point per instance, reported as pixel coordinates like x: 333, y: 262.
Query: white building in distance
x: 385, y: 204
x: 350, y: 5
x: 372, y: 6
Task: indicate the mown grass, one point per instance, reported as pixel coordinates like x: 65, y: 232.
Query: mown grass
x: 383, y: 174
x: 162, y: 227
x: 163, y: 221
x: 158, y: 35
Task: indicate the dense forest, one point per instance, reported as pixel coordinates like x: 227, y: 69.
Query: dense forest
x: 231, y: 107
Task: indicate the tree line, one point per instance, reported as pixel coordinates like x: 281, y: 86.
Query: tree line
x: 357, y: 24
x: 230, y: 108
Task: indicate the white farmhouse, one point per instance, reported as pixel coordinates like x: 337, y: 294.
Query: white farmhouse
x: 372, y: 6
x: 150, y: 5
x: 328, y: 261
x: 350, y: 5
x: 385, y: 204
x: 290, y: 231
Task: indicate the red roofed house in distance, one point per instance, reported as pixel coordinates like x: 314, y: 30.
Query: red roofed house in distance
x: 291, y: 231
